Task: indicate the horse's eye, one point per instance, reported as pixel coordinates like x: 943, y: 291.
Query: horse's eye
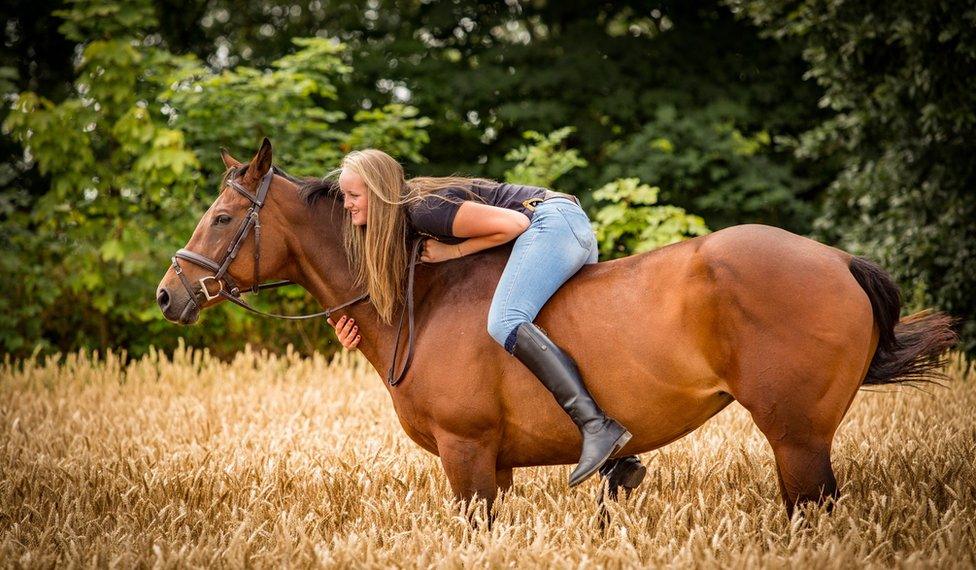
x: 221, y: 220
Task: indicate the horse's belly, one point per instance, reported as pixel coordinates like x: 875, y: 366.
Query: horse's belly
x: 658, y: 401
x: 650, y: 354
x: 547, y: 436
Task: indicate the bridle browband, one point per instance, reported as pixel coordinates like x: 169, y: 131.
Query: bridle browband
x: 229, y: 290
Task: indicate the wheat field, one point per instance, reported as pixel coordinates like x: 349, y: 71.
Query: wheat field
x: 186, y: 460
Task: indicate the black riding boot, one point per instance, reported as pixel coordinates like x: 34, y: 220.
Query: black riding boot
x: 602, y: 436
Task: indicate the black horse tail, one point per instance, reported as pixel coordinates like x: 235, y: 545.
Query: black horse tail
x: 912, y: 349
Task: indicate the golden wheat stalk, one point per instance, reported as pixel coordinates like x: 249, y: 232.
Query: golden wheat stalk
x: 188, y: 460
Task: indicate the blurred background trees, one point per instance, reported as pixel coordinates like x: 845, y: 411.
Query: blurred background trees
x: 900, y: 81
x: 846, y: 121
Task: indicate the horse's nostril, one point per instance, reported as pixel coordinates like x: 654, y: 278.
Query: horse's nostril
x: 163, y: 299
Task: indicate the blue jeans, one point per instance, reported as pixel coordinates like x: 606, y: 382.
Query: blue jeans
x: 558, y: 242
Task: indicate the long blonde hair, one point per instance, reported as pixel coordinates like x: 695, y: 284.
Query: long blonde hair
x: 377, y: 252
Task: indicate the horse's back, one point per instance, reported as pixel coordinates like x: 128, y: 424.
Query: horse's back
x: 753, y: 266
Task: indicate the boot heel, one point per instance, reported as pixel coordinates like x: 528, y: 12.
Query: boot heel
x: 621, y: 442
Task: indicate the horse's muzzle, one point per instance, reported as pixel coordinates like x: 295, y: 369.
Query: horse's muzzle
x: 178, y: 309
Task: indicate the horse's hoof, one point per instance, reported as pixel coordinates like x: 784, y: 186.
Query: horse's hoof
x: 627, y: 472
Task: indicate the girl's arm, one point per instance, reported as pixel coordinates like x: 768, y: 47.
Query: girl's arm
x: 485, y: 226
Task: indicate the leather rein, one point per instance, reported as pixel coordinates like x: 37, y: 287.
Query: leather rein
x: 229, y: 290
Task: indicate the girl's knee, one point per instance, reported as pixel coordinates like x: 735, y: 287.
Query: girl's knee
x: 498, y: 331
x: 503, y: 333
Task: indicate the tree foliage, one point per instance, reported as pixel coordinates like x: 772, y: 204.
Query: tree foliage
x: 75, y: 258
x: 117, y: 111
x: 704, y: 162
x: 628, y: 219
x: 901, y: 80
x: 81, y: 260
x: 544, y: 160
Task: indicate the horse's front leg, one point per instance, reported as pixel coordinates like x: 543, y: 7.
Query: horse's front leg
x: 470, y: 467
x: 504, y: 479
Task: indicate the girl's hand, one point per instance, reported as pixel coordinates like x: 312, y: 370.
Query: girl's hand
x: 435, y: 251
x: 347, y: 332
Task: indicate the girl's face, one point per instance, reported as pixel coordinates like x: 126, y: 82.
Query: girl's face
x: 355, y: 196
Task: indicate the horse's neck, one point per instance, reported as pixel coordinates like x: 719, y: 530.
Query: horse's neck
x: 322, y: 269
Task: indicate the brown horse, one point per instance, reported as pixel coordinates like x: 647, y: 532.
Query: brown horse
x: 788, y: 327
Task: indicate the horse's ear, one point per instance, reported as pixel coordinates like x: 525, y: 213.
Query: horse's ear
x: 261, y: 162
x: 229, y: 161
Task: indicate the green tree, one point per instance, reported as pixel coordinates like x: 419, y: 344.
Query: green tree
x: 485, y: 72
x: 703, y: 161
x: 297, y: 102
x: 445, y: 86
x: 544, y: 160
x: 81, y: 259
x: 75, y: 258
x: 628, y: 219
x: 900, y: 78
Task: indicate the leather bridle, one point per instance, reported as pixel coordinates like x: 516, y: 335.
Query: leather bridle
x: 229, y: 290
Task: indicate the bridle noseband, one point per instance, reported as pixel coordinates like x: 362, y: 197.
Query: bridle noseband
x: 229, y: 290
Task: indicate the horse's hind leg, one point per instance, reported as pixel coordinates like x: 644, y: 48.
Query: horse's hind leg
x: 799, y: 415
x: 802, y: 451
x: 805, y: 473
x: 800, y: 435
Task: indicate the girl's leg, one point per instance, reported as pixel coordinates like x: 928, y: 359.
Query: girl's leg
x: 558, y: 242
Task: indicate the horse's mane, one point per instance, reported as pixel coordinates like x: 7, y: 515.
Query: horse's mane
x: 310, y: 189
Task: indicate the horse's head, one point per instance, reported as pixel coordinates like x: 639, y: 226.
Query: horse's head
x: 229, y: 251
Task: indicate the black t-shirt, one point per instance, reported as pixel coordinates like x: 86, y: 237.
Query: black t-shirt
x: 435, y: 217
